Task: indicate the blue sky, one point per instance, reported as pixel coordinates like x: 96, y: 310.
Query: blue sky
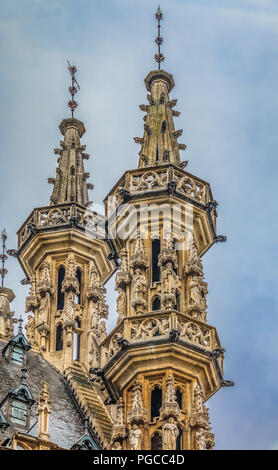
x: 224, y: 58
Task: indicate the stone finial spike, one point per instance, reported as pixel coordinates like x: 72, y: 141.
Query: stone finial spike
x: 20, y: 330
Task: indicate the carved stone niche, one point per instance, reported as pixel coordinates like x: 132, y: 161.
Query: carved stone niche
x: 44, y: 285
x: 170, y: 407
x: 31, y: 303
x: 119, y: 429
x: 137, y: 414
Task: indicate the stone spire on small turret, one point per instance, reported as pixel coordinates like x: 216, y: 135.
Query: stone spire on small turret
x: 70, y: 182
x: 159, y: 142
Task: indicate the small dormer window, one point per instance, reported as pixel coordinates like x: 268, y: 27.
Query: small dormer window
x: 19, y: 412
x: 17, y: 355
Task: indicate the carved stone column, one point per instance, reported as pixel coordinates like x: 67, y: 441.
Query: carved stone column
x: 43, y: 413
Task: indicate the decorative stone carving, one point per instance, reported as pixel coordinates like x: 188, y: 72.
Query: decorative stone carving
x: 6, y: 320
x: 139, y: 258
x: 195, y: 333
x: 123, y: 275
x: 170, y: 406
x: 43, y: 413
x: 44, y: 310
x: 93, y: 351
x: 170, y: 434
x: 139, y: 288
x: 121, y: 303
x: 201, y: 439
x: 150, y: 328
x: 44, y: 284
x: 70, y: 282
x: 30, y: 330
x: 119, y: 428
x: 170, y: 286
x: 32, y: 300
x: 198, y: 399
x: 69, y: 309
x: 136, y: 437
x: 137, y: 414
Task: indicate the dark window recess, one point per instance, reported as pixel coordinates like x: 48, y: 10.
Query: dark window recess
x: 179, y: 397
x: 156, y: 303
x: 79, y: 278
x: 155, y: 267
x: 60, y: 294
x: 59, y: 337
x: 77, y: 322
x: 156, y: 442
x: 178, y: 302
x: 176, y: 245
x: 179, y: 440
x: 156, y: 402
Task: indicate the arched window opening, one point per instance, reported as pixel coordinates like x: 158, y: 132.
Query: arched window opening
x: 155, y: 254
x: 59, y: 337
x: 78, y: 297
x: 179, y: 397
x: 156, y: 303
x: 179, y: 440
x: 60, y: 294
x: 76, y: 346
x: 77, y: 322
x: 156, y: 441
x: 156, y: 402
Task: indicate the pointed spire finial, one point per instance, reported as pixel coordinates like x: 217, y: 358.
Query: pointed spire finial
x: 72, y: 104
x: 3, y: 256
x: 159, y: 57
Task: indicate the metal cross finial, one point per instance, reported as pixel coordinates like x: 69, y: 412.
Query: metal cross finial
x: 159, y: 57
x: 3, y: 256
x: 72, y: 104
x: 20, y: 321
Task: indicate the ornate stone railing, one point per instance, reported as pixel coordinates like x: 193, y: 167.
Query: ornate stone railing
x: 58, y: 216
x: 157, y: 325
x: 158, y: 178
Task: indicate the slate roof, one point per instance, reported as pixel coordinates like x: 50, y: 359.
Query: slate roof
x: 65, y: 423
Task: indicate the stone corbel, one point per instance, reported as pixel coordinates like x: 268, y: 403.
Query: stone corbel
x: 43, y: 330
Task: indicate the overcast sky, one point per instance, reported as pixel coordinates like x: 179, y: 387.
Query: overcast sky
x: 224, y: 58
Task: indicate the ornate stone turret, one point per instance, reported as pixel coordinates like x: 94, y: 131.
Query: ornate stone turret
x: 162, y: 345
x: 70, y: 183
x: 61, y: 247
x: 159, y: 143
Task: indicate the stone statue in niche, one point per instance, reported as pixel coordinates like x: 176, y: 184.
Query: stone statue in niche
x: 136, y: 437
x: 139, y: 285
x: 201, y: 439
x: 195, y: 292
x: 93, y: 352
x: 169, y: 280
x: 94, y: 278
x: 102, y: 331
x: 170, y: 434
x: 44, y: 309
x: 69, y: 309
x: 30, y: 329
x: 121, y: 303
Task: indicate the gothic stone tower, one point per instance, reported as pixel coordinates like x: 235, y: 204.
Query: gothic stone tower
x: 144, y: 386
x: 163, y: 360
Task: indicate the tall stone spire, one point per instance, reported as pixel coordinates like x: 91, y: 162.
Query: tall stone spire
x: 70, y: 182
x: 159, y: 142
